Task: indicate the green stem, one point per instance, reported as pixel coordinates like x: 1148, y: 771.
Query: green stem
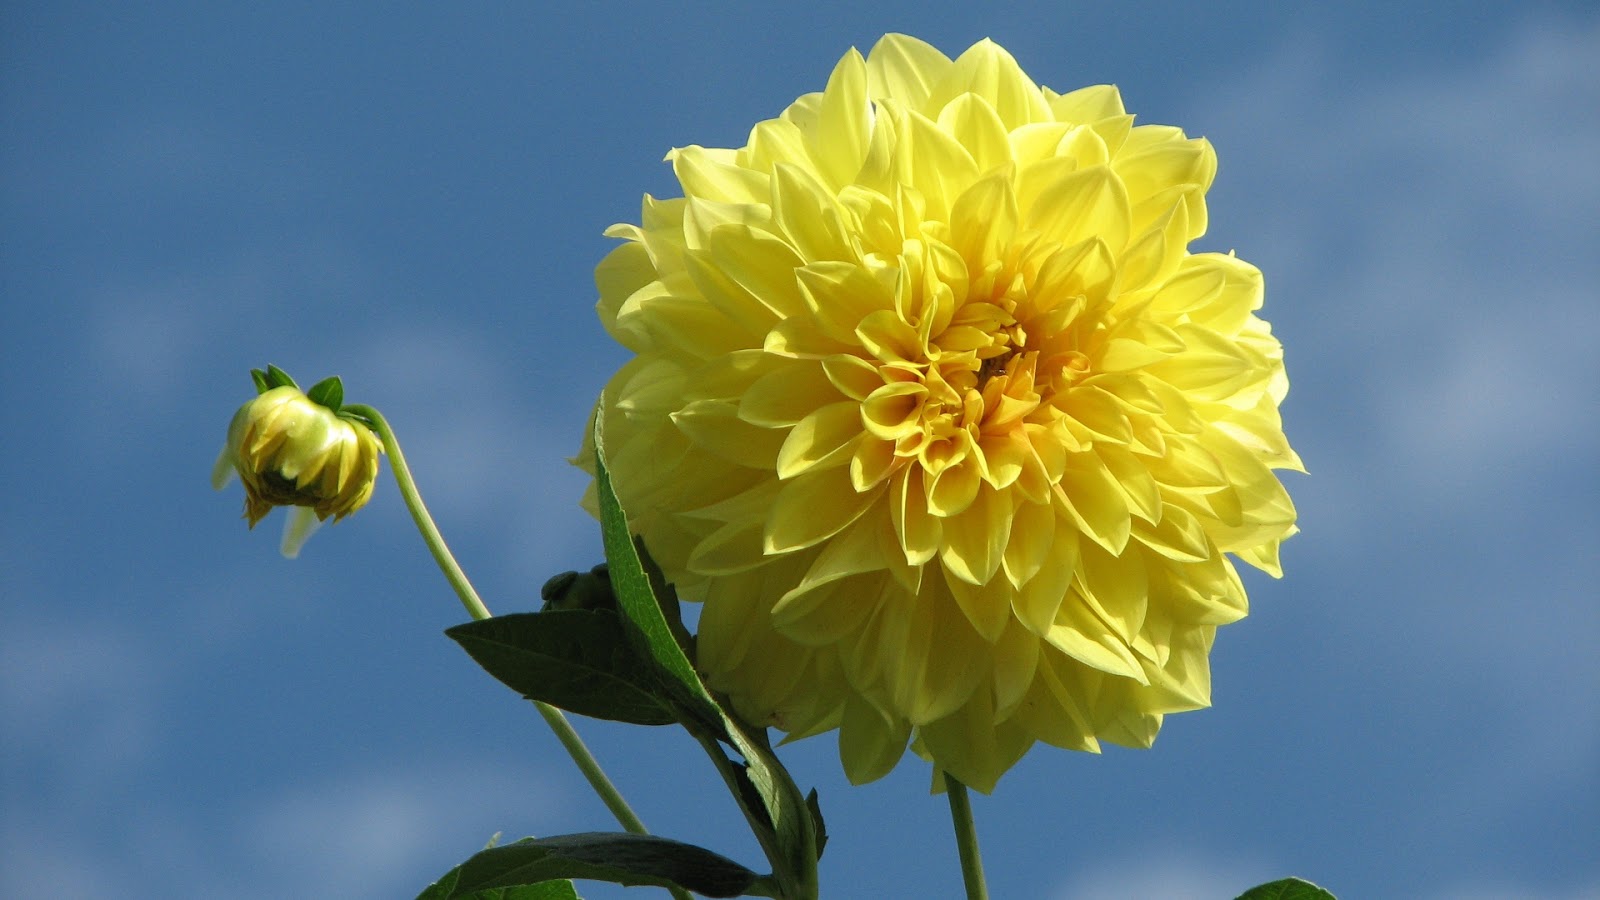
x: 557, y: 720
x: 568, y: 736
x: 966, y: 839
x: 419, y: 513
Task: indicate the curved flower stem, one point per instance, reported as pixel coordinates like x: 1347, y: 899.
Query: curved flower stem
x: 966, y: 839
x: 419, y: 513
x: 568, y: 736
x: 557, y: 720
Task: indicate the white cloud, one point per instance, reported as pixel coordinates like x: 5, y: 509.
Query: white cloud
x: 1432, y: 235
x: 365, y: 834
x: 371, y: 834
x: 487, y: 451
x: 1170, y: 874
x: 37, y: 863
x: 1511, y: 892
x: 82, y: 694
x: 1428, y: 240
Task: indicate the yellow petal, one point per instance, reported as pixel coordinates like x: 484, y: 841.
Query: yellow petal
x: 733, y: 547
x: 1132, y: 475
x: 905, y: 68
x: 730, y: 619
x: 871, y: 462
x: 986, y: 606
x: 1163, y: 165
x: 844, y: 124
x: 1036, y: 602
x: 708, y: 174
x: 970, y: 746
x: 825, y: 437
x: 919, y: 531
x: 1088, y: 104
x: 805, y: 211
x: 1177, y: 536
x: 1116, y: 589
x: 1032, y: 539
x: 950, y: 491
x: 975, y: 540
x: 1089, y: 203
x: 1080, y: 634
x: 986, y: 69
x: 894, y: 411
x: 983, y: 220
x: 852, y: 376
x: 1053, y: 709
x: 727, y: 295
x: 1154, y: 255
x: 972, y: 121
x: 775, y: 141
x: 821, y: 613
x: 869, y: 744
x: 839, y: 296
x: 761, y: 263
x: 936, y: 164
x: 887, y: 336
x: 930, y: 685
x: 812, y: 508
x: 1016, y: 657
x: 786, y: 395
x: 715, y: 426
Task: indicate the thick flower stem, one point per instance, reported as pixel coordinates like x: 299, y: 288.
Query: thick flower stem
x: 966, y: 839
x: 557, y: 720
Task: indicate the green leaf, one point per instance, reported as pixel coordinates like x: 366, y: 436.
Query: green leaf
x: 328, y: 392
x: 778, y: 813
x: 446, y: 886
x: 1287, y: 889
x: 625, y: 859
x: 277, y: 377
x: 815, y: 806
x: 260, y: 379
x: 576, y: 659
x: 644, y: 622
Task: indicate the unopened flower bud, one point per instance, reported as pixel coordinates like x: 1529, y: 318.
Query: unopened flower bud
x: 292, y: 450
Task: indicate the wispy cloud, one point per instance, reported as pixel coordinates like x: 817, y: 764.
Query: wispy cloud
x: 488, y: 448
x: 375, y: 834
x: 1428, y: 239
x: 1168, y: 873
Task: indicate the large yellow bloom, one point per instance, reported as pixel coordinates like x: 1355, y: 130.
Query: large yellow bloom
x: 935, y: 412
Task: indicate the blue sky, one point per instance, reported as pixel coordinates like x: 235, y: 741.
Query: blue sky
x: 414, y: 199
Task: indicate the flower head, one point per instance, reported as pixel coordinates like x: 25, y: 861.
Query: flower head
x: 935, y: 412
x: 292, y: 450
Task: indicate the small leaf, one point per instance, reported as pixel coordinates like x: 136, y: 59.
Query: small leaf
x: 277, y: 377
x: 1287, y: 889
x: 815, y: 805
x: 260, y: 379
x: 576, y: 659
x: 625, y: 859
x: 328, y: 392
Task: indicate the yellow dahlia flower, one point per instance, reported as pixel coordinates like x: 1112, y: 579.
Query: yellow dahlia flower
x: 934, y: 411
x: 290, y: 450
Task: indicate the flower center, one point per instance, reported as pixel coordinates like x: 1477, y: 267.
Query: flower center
x: 993, y: 366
